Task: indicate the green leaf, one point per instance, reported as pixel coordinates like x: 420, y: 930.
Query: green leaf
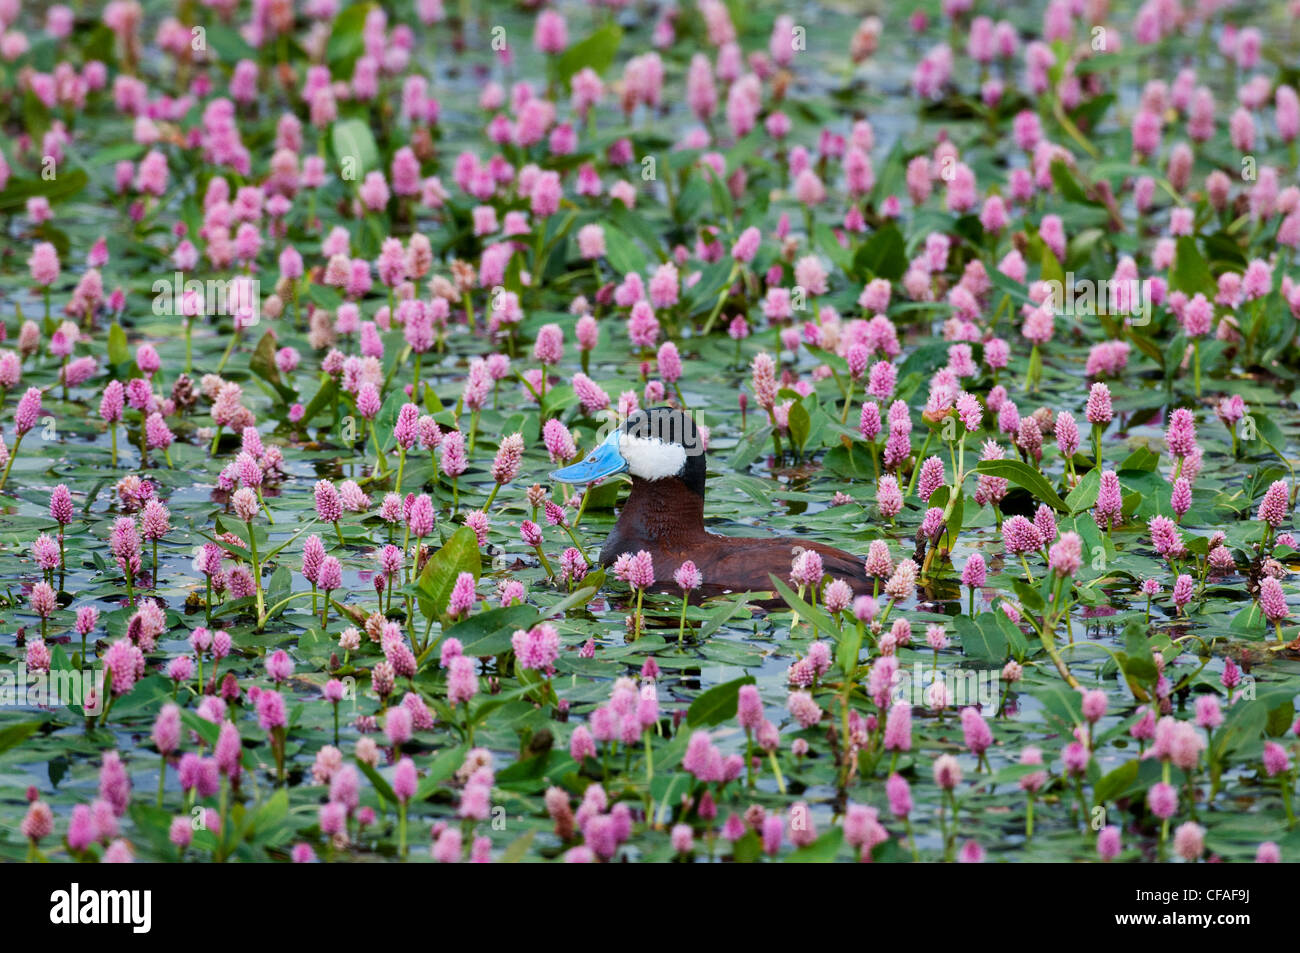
x: 533, y: 774
x: 850, y: 650
x: 982, y: 638
x: 722, y: 202
x: 892, y: 175
x: 1116, y: 783
x: 1139, y: 663
x: 1271, y: 434
x: 324, y: 297
x: 747, y: 850
x: 718, y: 704
x: 351, y: 139
x: 926, y: 359
x: 61, y: 668
x: 153, y: 823
x: 1025, y: 476
x: 1010, y: 287
x: 383, y: 787
x: 227, y: 43
x: 955, y: 518
x: 209, y: 731
x: 1245, y: 722
x: 443, y: 767
x: 800, y: 424
x: 1280, y: 718
x: 518, y: 848
x: 1084, y: 495
x: 17, y: 734
x: 749, y: 447
x: 1140, y: 459
x: 1016, y: 640
x: 720, y: 616
x: 488, y: 633
x: 579, y: 597
x: 1190, y: 273
x: 323, y: 399
x: 65, y: 185
x: 118, y: 351
x: 852, y: 462
x: 820, y: 851
x: 622, y: 253
x: 557, y: 398
x: 1062, y: 703
x: 1150, y: 348
x: 1051, y: 267
x: 1066, y: 184
x: 596, y: 51
x: 269, y: 820
x: 387, y: 417
x: 829, y: 245
x: 883, y: 255
x: 1014, y: 772
x: 262, y: 363
x: 813, y: 614
x: 603, y: 496
x: 1029, y: 596
x: 1248, y: 621
x: 691, y: 199
x: 347, y: 41
x: 459, y: 555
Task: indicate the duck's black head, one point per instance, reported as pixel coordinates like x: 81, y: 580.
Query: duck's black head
x: 662, y: 442
x: 656, y: 444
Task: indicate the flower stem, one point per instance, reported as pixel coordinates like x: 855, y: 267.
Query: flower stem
x: 776, y: 770
x: 649, y: 760
x: 12, y: 456
x: 257, y: 573
x: 1196, y: 352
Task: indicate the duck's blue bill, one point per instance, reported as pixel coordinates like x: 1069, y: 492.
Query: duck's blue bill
x: 604, y: 461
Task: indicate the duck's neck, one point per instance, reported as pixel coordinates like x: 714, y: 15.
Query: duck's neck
x: 657, y: 513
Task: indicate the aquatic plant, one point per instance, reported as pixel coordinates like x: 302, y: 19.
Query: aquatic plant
x: 1013, y: 315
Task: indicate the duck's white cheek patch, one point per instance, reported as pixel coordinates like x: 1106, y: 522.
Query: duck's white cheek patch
x: 652, y: 459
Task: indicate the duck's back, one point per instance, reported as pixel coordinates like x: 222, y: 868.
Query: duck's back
x: 740, y: 563
x: 667, y: 520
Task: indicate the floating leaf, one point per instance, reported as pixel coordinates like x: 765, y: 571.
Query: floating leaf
x: 1022, y: 474
x: 488, y: 633
x: 460, y: 554
x: 596, y: 51
x: 354, y: 148
x: 882, y: 255
x: 716, y: 705
x: 981, y: 638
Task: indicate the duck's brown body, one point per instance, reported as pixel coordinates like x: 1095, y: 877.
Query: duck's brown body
x: 666, y: 518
